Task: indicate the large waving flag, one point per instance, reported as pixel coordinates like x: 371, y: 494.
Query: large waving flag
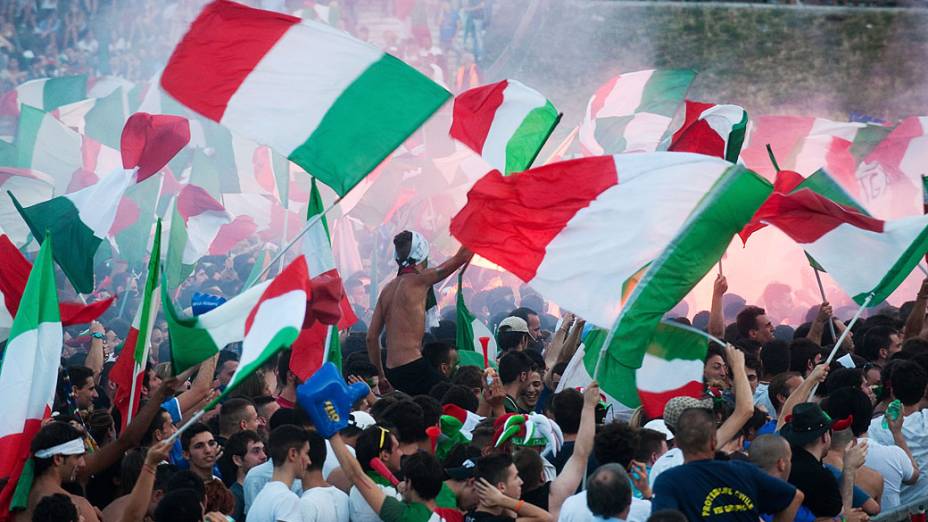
x: 100, y: 118
x: 553, y: 226
x: 45, y: 93
x: 14, y: 273
x: 684, y: 260
x: 714, y: 130
x: 889, y: 174
x: 835, y: 236
x: 81, y: 220
x: 632, y: 112
x: 31, y: 187
x: 197, y: 221
x: 506, y: 122
x: 274, y: 322
x: 332, y: 104
x: 29, y: 371
x: 129, y: 369
x: 319, y: 343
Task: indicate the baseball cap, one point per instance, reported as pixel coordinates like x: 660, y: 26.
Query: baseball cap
x: 676, y: 406
x: 515, y: 324
x: 659, y: 426
x: 361, y: 420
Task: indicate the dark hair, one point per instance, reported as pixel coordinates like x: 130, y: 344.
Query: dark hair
x: 438, y: 390
x: 747, y: 320
x: 368, y: 447
x: 915, y: 345
x: 775, y: 357
x: 469, y: 376
x: 56, y: 507
x: 513, y: 364
x: 78, y: 375
x: 530, y: 466
x: 156, y: 424
x: 182, y: 505
x: 842, y: 378
x: 493, y: 467
x: 283, y: 367
x: 608, y: 491
x: 523, y: 313
x: 649, y: 442
x: 360, y: 366
x: 402, y: 242
x: 752, y: 362
x: 778, y: 387
x: 130, y: 467
x: 186, y: 479
x: 288, y: 417
x: 876, y: 339
x: 615, y: 442
x: 566, y: 407
x: 409, y: 420
x: 232, y: 413
x: 667, y: 515
x: 235, y: 446
x: 317, y: 450
x: 194, y: 430
x: 424, y: 472
x: 850, y: 401
x: 431, y: 409
x: 695, y: 429
x: 461, y: 396
x: 283, y: 439
x: 908, y: 382
x: 51, y: 435
x: 802, y: 351
x: 437, y: 353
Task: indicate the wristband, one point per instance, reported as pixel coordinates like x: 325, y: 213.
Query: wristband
x: 98, y: 335
x: 518, y: 506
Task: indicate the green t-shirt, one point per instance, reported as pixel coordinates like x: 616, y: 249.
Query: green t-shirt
x: 393, y: 510
x: 446, y: 497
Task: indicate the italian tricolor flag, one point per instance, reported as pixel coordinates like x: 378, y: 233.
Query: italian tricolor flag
x: 45, y: 93
x: 100, y: 118
x: 196, y: 222
x: 129, y: 369
x: 632, y: 112
x: 332, y: 104
x: 319, y: 343
x: 31, y: 187
x: 507, y: 123
x: 81, y: 220
x: 577, y: 230
x: 714, y: 130
x: 683, y: 261
x: 29, y: 371
x: 468, y: 332
x: 835, y: 236
x: 274, y: 322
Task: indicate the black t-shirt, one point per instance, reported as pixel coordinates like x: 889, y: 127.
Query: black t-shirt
x: 482, y: 516
x: 721, y: 491
x: 821, y: 489
x: 538, y: 496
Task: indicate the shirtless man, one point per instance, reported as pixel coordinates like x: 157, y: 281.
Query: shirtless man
x: 58, y: 453
x: 401, y: 309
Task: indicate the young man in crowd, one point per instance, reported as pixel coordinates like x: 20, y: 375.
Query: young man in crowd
x: 261, y: 474
x: 754, y: 324
x: 289, y: 450
x: 514, y: 370
x: 200, y: 450
x: 401, y: 311
x: 609, y: 493
x: 442, y: 357
x: 321, y: 501
x: 242, y: 452
x: 705, y: 489
x: 500, y: 488
x: 237, y: 415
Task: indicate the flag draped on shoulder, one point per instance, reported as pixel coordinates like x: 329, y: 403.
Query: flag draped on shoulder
x: 129, y: 369
x: 506, y: 122
x: 334, y: 105
x: 553, y: 226
x: 632, y: 112
x: 14, y: 272
x: 319, y: 343
x: 29, y: 371
x: 714, y: 130
x: 836, y: 236
x: 274, y: 322
x: 81, y: 220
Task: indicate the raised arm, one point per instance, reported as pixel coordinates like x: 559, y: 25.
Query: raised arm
x: 525, y: 512
x: 199, y: 389
x: 140, y: 498
x: 430, y: 276
x: 744, y: 399
x: 853, y: 460
x: 96, y: 354
x: 913, y: 324
x: 716, y: 314
x: 372, y: 493
x: 553, y: 350
x: 818, y: 325
x: 575, y: 468
x: 572, y: 343
x: 895, y: 427
x: 802, y: 392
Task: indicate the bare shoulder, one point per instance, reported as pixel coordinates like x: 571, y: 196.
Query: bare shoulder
x: 85, y: 508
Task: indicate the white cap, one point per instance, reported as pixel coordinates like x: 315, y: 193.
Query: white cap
x: 659, y: 425
x: 361, y: 420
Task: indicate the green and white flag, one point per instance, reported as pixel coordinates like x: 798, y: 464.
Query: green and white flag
x: 469, y: 330
x: 50, y: 93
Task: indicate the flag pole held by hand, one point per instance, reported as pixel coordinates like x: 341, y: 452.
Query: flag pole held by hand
x: 844, y: 334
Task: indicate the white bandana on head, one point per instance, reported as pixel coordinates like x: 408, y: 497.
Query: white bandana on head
x: 72, y: 447
x: 418, y: 251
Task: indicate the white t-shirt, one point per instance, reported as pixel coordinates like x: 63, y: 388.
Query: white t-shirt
x: 894, y: 465
x: 671, y: 459
x: 915, y: 432
x: 358, y: 508
x: 575, y: 509
x: 257, y: 477
x: 324, y: 505
x: 331, y: 462
x: 275, y: 503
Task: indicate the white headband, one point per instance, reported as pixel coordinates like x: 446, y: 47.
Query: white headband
x: 418, y: 249
x: 72, y: 447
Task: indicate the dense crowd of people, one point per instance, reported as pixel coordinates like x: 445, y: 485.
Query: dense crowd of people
x: 778, y: 433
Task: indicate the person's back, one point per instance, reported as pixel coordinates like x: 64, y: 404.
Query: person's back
x: 403, y: 305
x: 324, y: 504
x: 707, y: 489
x: 289, y: 451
